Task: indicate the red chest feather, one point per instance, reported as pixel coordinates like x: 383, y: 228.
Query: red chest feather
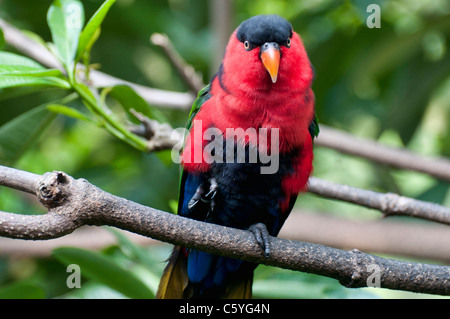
x: 245, y: 102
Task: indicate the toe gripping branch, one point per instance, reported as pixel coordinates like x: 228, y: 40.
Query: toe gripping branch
x: 206, y: 194
x: 262, y: 237
x: 207, y: 198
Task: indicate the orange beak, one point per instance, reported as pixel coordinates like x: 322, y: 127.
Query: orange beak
x: 270, y: 57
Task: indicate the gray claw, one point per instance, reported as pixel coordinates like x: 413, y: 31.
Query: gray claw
x: 262, y: 237
x: 212, y: 188
x: 200, y: 195
x: 197, y: 197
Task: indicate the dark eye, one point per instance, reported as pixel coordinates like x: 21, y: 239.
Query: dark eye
x: 288, y: 42
x: 247, y: 45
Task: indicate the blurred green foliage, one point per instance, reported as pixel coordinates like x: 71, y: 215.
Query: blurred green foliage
x: 390, y: 84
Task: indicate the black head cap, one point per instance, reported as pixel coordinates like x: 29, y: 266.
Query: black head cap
x: 264, y: 28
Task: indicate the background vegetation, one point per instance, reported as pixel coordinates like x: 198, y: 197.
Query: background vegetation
x: 390, y: 84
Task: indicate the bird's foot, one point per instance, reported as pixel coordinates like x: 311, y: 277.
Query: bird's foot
x: 262, y: 237
x: 207, y: 198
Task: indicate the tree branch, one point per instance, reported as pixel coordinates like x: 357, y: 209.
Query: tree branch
x: 389, y: 204
x: 393, y: 156
x: 15, y: 179
x: 423, y: 241
x: 380, y: 236
x: 159, y: 136
x: 187, y: 72
x: 72, y: 203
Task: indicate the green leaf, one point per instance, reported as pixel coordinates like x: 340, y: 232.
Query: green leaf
x: 68, y: 111
x: 19, y: 80
x: 111, y: 123
x: 93, y: 290
x: 132, y: 248
x: 17, y: 92
x: 284, y: 289
x: 173, y: 204
x: 2, y: 39
x: 17, y: 135
x: 101, y: 269
x: 129, y: 99
x: 28, y: 70
x: 36, y: 37
x: 17, y: 70
x: 88, y: 35
x: 22, y: 290
x: 8, y: 58
x: 65, y: 19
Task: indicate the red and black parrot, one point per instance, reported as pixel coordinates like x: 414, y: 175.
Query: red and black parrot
x: 264, y: 82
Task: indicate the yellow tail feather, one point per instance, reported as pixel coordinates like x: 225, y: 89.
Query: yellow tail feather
x: 174, y: 282
x: 174, y: 279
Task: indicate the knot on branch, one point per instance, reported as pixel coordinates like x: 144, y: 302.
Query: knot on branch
x: 50, y: 189
x: 160, y: 136
x: 392, y: 204
x: 356, y: 268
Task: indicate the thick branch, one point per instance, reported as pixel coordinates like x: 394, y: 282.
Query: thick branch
x: 72, y: 203
x: 423, y: 241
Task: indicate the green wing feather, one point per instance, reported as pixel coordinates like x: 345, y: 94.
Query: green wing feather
x: 314, y: 127
x: 202, y: 97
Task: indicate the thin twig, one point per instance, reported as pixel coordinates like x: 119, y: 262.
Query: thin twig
x: 380, y: 236
x: 187, y: 72
x: 389, y: 204
x: 24, y: 184
x: 72, y: 203
x: 157, y: 97
x: 393, y: 156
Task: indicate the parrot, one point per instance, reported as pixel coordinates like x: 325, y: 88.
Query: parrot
x: 260, y: 101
